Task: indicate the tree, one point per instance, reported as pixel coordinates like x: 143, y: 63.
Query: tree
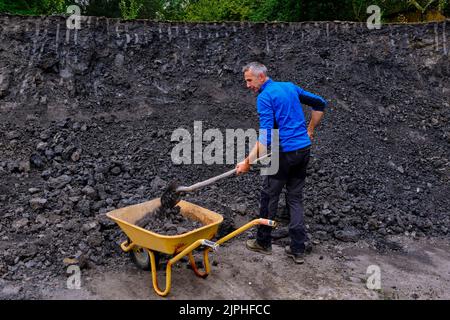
x: 219, y: 10
x: 423, y: 6
x: 33, y: 7
x: 103, y: 8
x: 130, y: 8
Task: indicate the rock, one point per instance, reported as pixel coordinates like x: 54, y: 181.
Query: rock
x: 19, y: 224
x: 38, y: 203
x: 101, y: 192
x: 89, y: 226
x: 90, y: 192
x: 322, y: 235
x: 46, y: 174
x: 40, y: 219
x: 36, y: 161
x: 12, y: 135
x: 76, y: 156
x: 346, y: 209
x: 74, y: 199
x: 391, y: 165
x: 3, y: 269
x: 347, y: 235
x: 72, y: 225
x: 76, y: 126
x: 95, y: 239
x: 4, y: 84
x: 84, y: 206
x: 49, y: 154
x: 41, y: 146
x: 98, y: 205
x: 44, y: 135
x: 34, y: 190
x: 67, y: 153
x: 59, y: 182
x: 116, y: 170
x: 241, y: 209
x: 24, y: 166
x: 105, y: 222
x: 12, y: 166
x: 181, y: 230
x: 157, y: 183
x: 99, y: 177
x: 58, y: 150
x: 118, y: 60
x: 372, y: 224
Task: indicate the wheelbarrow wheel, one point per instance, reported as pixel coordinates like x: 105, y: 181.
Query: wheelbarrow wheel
x: 141, y: 258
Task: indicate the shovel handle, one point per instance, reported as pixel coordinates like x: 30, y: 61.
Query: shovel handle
x: 209, y: 181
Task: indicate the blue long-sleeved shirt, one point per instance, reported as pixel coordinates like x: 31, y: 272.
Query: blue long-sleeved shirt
x: 282, y: 101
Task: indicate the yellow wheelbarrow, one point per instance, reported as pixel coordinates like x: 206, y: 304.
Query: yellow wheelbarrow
x: 143, y: 243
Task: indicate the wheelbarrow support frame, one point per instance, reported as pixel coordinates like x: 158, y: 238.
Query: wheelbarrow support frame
x: 210, y: 245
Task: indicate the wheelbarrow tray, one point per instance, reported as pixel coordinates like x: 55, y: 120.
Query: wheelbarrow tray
x: 127, y: 217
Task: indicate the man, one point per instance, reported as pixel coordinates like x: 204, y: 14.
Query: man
x: 279, y: 106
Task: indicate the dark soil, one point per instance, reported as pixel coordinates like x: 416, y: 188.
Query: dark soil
x: 168, y: 221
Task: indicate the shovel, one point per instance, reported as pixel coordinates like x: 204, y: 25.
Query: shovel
x: 172, y: 195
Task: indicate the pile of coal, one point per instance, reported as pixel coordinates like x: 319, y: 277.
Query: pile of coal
x: 168, y: 222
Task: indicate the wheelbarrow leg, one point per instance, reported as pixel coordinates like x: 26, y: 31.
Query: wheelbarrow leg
x: 186, y: 251
x: 199, y: 273
x: 160, y: 292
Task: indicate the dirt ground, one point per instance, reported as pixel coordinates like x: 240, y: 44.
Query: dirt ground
x: 418, y: 270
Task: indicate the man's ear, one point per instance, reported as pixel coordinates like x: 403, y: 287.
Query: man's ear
x: 261, y: 77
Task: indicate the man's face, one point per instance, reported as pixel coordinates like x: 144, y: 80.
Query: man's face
x: 254, y: 82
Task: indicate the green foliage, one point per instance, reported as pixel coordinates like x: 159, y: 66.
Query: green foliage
x: 446, y: 10
x: 219, y: 10
x: 105, y: 8
x: 53, y: 6
x: 278, y: 10
x: 235, y: 10
x: 151, y: 9
x: 34, y: 7
x: 21, y: 7
x: 173, y: 9
x: 130, y: 8
x: 424, y: 5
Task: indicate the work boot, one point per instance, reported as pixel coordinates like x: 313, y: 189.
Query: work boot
x: 253, y: 245
x: 298, y: 258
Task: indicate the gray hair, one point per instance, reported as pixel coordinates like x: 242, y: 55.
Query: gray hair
x: 256, y: 68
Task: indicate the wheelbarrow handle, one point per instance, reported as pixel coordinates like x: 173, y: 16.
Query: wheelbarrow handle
x: 209, y: 181
x: 213, y: 245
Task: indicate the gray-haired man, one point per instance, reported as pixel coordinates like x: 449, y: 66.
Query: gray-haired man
x: 279, y: 106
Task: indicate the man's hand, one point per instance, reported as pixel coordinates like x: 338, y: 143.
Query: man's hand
x: 242, y: 167
x: 316, y: 116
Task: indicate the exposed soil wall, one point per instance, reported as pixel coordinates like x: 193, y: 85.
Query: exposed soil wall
x: 86, y: 119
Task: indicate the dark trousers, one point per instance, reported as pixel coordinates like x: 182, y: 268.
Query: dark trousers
x: 292, y: 174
